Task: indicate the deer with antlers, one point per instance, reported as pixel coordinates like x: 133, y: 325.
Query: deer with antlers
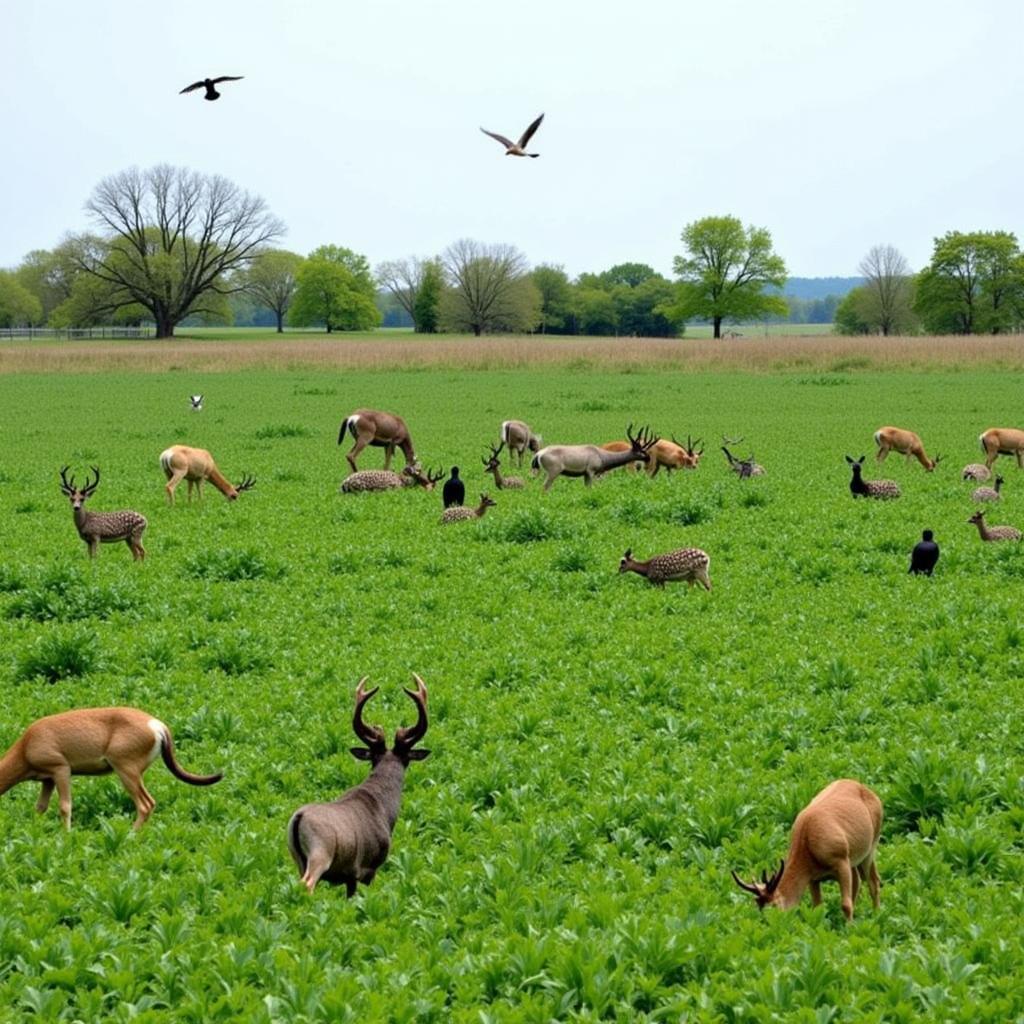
x: 998, y: 441
x: 834, y: 837
x: 180, y: 462
x: 97, y: 528
x: 904, y: 442
x: 376, y: 429
x: 386, y: 480
x: 492, y: 465
x: 590, y: 460
x: 743, y: 467
x: 344, y: 842
x: 668, y: 454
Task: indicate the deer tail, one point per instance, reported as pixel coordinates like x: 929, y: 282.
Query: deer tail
x: 293, y: 841
x: 167, y: 753
x: 348, y: 425
x: 878, y: 438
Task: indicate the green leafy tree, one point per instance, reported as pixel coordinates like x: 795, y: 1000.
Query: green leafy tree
x: 271, y: 279
x: 726, y: 272
x: 595, y: 312
x: 426, y: 310
x: 334, y: 288
x: 488, y: 290
x: 555, y: 296
x: 18, y: 306
x: 852, y: 313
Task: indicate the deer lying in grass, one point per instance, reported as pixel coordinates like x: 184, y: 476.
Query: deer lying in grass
x: 977, y: 472
x: 906, y: 442
x: 689, y: 564
x: 346, y: 841
x: 460, y: 513
x: 97, y: 528
x: 834, y: 837
x: 991, y: 533
x: 861, y: 488
x: 589, y: 460
x: 386, y: 480
x: 988, y: 493
x: 519, y: 437
x: 180, y: 462
x: 744, y: 467
x: 376, y: 429
x: 493, y: 466
x: 93, y: 741
x: 998, y: 441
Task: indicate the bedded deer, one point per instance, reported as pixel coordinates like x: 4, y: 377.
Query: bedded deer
x: 861, y: 488
x: 905, y: 442
x: 386, y: 480
x: 590, y: 460
x: 492, y: 465
x: 998, y: 441
x: 834, y: 837
x: 347, y: 840
x: 93, y: 741
x: 519, y: 438
x: 376, y: 429
x: 180, y: 462
x: 462, y: 513
x: 97, y: 528
x: 993, y: 533
x: 977, y: 472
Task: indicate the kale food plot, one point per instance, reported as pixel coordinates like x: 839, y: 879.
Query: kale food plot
x: 604, y: 752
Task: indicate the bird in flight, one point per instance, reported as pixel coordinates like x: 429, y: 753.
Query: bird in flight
x: 209, y: 83
x: 197, y: 402
x: 517, y: 148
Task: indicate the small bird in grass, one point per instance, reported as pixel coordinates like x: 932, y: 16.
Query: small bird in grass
x: 517, y: 148
x: 209, y: 83
x: 197, y: 402
x: 454, y: 492
x: 925, y: 555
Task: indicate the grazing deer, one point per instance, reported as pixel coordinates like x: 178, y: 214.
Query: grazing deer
x: 990, y: 533
x: 93, y: 741
x: 590, y: 460
x: 97, y: 528
x: 519, y: 437
x: 180, y: 462
x: 905, y: 442
x: 378, y: 430
x: 834, y: 837
x: 988, y: 493
x: 347, y: 840
x: 744, y: 467
x: 197, y: 402
x: 460, y: 513
x: 689, y: 564
x: 386, y: 480
x: 998, y: 441
x: 493, y: 466
x: 861, y: 488
x: 977, y: 472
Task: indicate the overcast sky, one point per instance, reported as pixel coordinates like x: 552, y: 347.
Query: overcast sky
x: 836, y: 124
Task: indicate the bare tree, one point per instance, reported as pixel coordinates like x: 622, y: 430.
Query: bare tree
x: 174, y: 235
x: 887, y: 288
x: 489, y: 288
x: 271, y: 280
x: 402, y: 278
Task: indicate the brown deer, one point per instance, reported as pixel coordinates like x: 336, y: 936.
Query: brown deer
x: 834, y: 837
x: 905, y: 442
x: 378, y: 430
x: 97, y: 528
x: 180, y: 462
x: 386, y: 480
x: 590, y: 460
x: 93, y: 741
x: 493, y: 466
x: 998, y: 441
x: 344, y: 842
x: 460, y: 513
x: 519, y: 438
x: 668, y: 454
x: 992, y: 533
x: 689, y: 564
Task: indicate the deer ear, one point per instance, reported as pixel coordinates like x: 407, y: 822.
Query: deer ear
x: 848, y: 459
x: 418, y: 755
x: 361, y: 753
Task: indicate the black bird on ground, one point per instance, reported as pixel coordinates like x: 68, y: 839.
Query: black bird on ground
x: 209, y: 83
x: 925, y: 555
x: 454, y: 492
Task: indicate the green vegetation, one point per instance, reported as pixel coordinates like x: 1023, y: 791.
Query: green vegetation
x: 334, y: 288
x: 603, y: 753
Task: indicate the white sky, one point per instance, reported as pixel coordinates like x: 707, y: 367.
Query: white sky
x: 837, y: 124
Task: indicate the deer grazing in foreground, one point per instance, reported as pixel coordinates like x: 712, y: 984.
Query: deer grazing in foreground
x: 861, y: 488
x: 834, y: 837
x: 668, y: 454
x: 590, y: 460
x: 93, y: 741
x: 744, y: 467
x: 460, y: 513
x: 988, y: 493
x: 97, y: 528
x: 998, y: 441
x: 180, y: 462
x: 977, y: 472
x: 493, y: 466
x: 990, y: 533
x: 386, y: 480
x: 347, y: 840
x: 378, y: 430
x: 519, y: 437
x: 689, y: 564
x: 905, y: 442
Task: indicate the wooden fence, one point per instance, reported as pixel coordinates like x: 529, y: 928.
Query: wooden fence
x: 74, y: 333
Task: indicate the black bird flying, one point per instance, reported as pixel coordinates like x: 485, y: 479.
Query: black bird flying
x: 925, y: 555
x: 209, y: 83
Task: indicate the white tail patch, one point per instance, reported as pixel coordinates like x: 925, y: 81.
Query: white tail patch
x: 165, y: 460
x: 504, y: 431
x: 878, y: 438
x: 159, y: 730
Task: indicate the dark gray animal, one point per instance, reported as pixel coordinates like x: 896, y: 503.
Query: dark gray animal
x: 454, y: 493
x: 346, y: 841
x: 861, y: 488
x: 209, y: 83
x: 925, y: 555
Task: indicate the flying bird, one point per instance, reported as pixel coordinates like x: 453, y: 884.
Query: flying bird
x: 197, y: 402
x: 517, y: 148
x: 925, y: 555
x: 209, y: 83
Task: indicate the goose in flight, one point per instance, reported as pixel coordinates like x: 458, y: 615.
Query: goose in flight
x: 209, y: 83
x: 517, y: 148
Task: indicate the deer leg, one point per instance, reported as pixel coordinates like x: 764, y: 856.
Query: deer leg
x: 705, y: 580
x: 131, y: 779
x: 94, y: 544
x: 874, y: 883
x: 135, y: 544
x: 44, y: 796
x: 844, y: 875
x: 389, y: 453
x: 855, y: 877
x: 815, y: 894
x: 552, y: 477
x: 172, y: 482
x: 350, y: 887
x: 62, y: 780
x: 317, y: 862
x: 883, y: 451
x: 354, y: 453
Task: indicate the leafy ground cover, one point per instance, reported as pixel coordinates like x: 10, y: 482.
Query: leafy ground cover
x: 603, y: 753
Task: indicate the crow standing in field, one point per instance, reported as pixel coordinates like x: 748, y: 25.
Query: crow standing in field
x: 925, y: 555
x: 209, y: 83
x: 454, y: 492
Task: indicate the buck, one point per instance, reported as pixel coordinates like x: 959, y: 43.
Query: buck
x: 861, y: 488
x: 992, y: 533
x: 519, y: 437
x: 905, y: 442
x: 689, y: 564
x: 378, y: 430
x: 492, y: 465
x: 590, y: 460
x: 998, y: 441
x: 988, y: 493
x: 386, y: 480
x: 668, y: 454
x: 744, y: 467
x: 93, y: 741
x: 834, y: 837
x: 347, y: 840
x: 180, y: 462
x: 460, y: 513
x: 97, y: 528
x: 977, y: 472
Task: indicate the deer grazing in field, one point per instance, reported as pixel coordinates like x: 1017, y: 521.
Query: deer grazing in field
x: 519, y: 438
x: 461, y: 513
x: 905, y: 442
x: 492, y: 465
x: 993, y: 533
x: 347, y: 840
x: 998, y: 441
x: 689, y: 564
x: 378, y: 430
x: 386, y: 480
x: 743, y: 467
x: 988, y: 493
x: 97, y: 528
x: 590, y: 460
x: 861, y: 488
x: 668, y: 454
x: 180, y: 462
x: 834, y: 837
x: 93, y: 741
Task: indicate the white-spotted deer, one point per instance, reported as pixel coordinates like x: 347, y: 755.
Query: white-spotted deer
x: 861, y: 488
x: 376, y: 429
x: 97, y: 528
x: 386, y: 480
x: 685, y: 564
x: 905, y: 442
x: 180, y: 462
x: 462, y: 513
x: 998, y: 441
x: 492, y: 465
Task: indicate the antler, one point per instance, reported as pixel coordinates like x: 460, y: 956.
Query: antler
x: 247, y: 484
x: 731, y: 440
x: 938, y: 458
x: 67, y: 486
x: 371, y: 735
x: 644, y: 439
x: 746, y: 885
x: 435, y: 479
x: 412, y: 734
x: 90, y: 487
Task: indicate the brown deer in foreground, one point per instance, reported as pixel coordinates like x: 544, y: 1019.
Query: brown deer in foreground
x: 93, y: 741
x: 493, y: 466
x: 346, y: 841
x: 998, y: 441
x: 905, y: 442
x: 97, y: 528
x: 180, y: 462
x: 378, y: 430
x: 834, y: 837
x: 460, y: 513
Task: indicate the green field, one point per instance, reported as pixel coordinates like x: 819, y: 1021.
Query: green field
x: 603, y: 752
